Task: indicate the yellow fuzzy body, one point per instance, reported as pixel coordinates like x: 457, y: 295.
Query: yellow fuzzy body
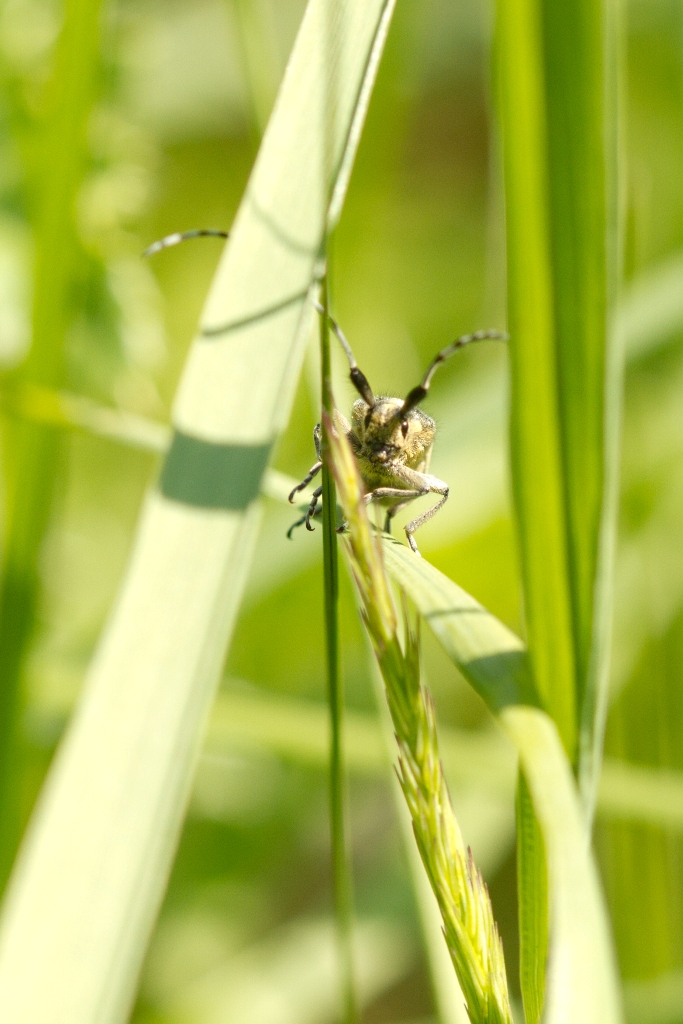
x: 382, y: 442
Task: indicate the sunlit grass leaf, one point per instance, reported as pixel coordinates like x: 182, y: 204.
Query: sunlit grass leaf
x: 92, y: 872
x: 536, y: 441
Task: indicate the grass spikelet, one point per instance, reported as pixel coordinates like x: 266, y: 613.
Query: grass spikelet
x: 470, y: 931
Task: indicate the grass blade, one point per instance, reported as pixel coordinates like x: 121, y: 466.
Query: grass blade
x: 556, y: 102
x: 490, y: 656
x: 557, y: 108
x: 536, y: 440
x: 92, y: 872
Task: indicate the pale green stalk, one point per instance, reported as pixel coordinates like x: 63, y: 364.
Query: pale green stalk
x: 341, y: 865
x: 470, y: 931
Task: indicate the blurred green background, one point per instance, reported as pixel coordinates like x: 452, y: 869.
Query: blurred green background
x: 165, y: 136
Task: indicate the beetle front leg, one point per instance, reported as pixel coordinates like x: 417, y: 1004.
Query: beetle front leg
x: 395, y: 509
x: 436, y: 487
x: 408, y: 495
x: 315, y: 468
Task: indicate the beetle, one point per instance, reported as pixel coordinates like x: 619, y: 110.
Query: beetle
x: 391, y: 437
x: 392, y: 440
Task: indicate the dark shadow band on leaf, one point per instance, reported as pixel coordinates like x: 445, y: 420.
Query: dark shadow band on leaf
x: 278, y: 232
x: 253, y: 318
x: 210, y: 475
x: 502, y: 679
x: 490, y: 656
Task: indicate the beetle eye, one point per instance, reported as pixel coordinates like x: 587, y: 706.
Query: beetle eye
x: 368, y: 417
x: 404, y: 427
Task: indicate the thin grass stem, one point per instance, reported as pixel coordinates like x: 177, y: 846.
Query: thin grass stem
x: 341, y: 867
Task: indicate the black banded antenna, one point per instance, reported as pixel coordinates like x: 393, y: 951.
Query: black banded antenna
x: 358, y: 378
x: 182, y: 236
x: 419, y: 393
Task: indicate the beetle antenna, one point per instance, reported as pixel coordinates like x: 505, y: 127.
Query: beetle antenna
x: 358, y: 378
x: 417, y: 395
x: 182, y: 236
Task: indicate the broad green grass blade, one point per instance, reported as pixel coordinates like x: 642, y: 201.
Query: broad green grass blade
x: 557, y: 104
x: 556, y: 84
x: 61, y: 147
x: 92, y: 872
x: 582, y: 982
x: 536, y: 438
x: 581, y: 150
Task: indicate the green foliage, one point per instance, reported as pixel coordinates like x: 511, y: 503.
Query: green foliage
x: 54, y: 172
x: 557, y: 95
x: 157, y: 132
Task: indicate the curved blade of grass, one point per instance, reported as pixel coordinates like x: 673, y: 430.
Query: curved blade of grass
x: 490, y: 656
x: 582, y: 981
x: 92, y: 872
x: 536, y: 441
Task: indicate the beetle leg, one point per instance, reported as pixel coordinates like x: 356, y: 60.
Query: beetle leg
x: 315, y: 468
x: 436, y: 487
x: 313, y: 510
x: 395, y: 509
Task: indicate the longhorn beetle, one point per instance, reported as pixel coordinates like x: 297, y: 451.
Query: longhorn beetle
x: 392, y: 441
x: 390, y: 437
